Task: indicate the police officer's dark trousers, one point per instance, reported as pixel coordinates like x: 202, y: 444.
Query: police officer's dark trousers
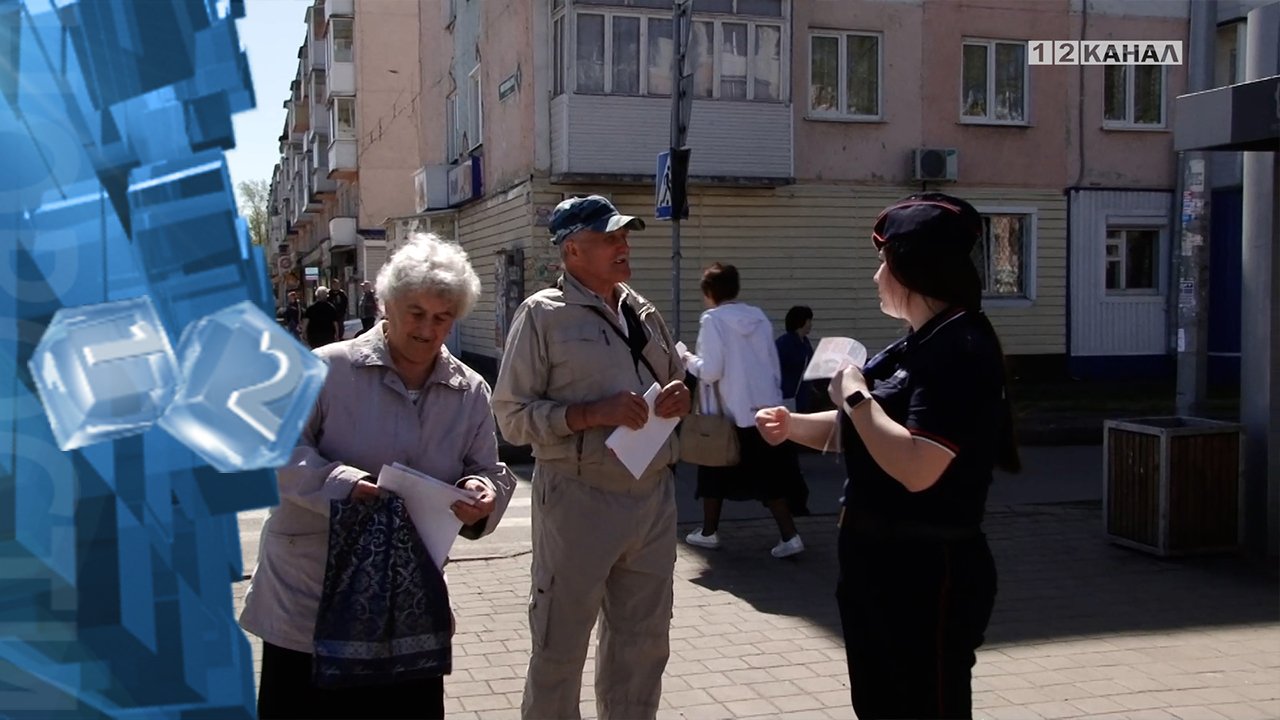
x: 914, y: 610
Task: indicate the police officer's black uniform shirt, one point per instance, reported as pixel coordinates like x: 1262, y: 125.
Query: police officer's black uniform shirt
x: 945, y: 384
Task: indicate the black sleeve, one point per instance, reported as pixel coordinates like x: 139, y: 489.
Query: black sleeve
x: 947, y: 401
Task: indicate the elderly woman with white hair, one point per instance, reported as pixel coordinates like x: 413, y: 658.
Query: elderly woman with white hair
x: 393, y: 395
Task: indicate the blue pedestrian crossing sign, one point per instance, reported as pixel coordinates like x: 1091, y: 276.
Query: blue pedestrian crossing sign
x: 662, y: 187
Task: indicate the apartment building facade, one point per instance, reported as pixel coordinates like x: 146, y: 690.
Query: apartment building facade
x: 350, y: 139
x: 808, y: 118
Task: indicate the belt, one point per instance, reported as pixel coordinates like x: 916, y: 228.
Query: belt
x: 865, y: 523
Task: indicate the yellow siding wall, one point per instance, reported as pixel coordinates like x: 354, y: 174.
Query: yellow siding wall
x: 804, y: 244
x: 494, y: 224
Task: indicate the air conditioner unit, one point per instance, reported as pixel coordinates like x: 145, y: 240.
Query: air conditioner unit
x: 431, y: 187
x: 935, y: 164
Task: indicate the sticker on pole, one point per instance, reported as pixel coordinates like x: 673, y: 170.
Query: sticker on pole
x: 662, y: 187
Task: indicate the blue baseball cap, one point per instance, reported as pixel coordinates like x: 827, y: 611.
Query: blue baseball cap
x: 592, y: 212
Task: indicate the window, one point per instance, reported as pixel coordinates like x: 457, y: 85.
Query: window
x: 475, y: 120
x: 590, y: 55
x: 1003, y: 255
x: 844, y: 74
x: 993, y: 85
x: 702, y: 50
x: 625, y: 55
x: 629, y: 53
x: 661, y: 55
x: 557, y: 55
x: 344, y: 118
x: 1134, y: 96
x: 342, y: 38
x: 453, y: 128
x: 1132, y: 261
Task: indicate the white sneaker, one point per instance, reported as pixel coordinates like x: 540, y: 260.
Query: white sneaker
x: 787, y: 548
x: 697, y: 539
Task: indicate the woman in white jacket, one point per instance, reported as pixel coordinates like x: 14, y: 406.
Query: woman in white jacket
x: 736, y: 353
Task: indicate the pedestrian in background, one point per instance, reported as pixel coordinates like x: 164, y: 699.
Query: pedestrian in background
x: 293, y: 315
x: 922, y: 426
x: 794, y: 353
x: 578, y: 359
x: 395, y: 394
x: 736, y: 364
x: 320, y: 320
x: 368, y: 307
x: 338, y: 297
x: 795, y: 350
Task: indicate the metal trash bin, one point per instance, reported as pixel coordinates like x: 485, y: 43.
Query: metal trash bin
x: 1172, y: 485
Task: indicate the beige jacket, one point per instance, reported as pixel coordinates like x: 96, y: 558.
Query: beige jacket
x: 363, y: 420
x: 560, y: 352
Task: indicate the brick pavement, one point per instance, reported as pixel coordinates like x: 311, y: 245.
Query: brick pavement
x: 1082, y: 629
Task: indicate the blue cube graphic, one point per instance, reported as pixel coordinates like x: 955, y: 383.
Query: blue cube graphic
x: 104, y: 371
x: 248, y: 387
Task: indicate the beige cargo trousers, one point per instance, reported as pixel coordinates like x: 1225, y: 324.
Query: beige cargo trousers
x: 608, y: 555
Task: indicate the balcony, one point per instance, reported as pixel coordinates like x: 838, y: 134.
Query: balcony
x: 339, y: 8
x: 342, y: 232
x: 318, y: 92
x: 315, y: 39
x: 342, y: 79
x: 291, y: 132
x: 318, y: 165
x: 339, y: 41
x: 299, y: 118
x: 732, y: 139
x: 342, y: 159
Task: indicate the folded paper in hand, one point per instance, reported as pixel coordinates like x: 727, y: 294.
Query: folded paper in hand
x: 430, y: 505
x: 832, y: 355
x: 636, y: 448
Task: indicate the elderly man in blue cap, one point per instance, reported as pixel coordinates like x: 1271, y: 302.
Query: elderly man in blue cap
x: 578, y: 360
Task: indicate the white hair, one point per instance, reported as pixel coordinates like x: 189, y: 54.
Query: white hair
x: 431, y: 264
x: 322, y: 293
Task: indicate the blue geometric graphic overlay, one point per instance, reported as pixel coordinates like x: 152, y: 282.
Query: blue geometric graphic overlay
x: 248, y: 388
x: 118, y: 556
x: 104, y: 371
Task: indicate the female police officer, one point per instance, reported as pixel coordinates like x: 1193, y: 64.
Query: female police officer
x: 922, y: 426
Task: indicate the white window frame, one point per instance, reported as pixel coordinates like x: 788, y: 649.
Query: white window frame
x: 1031, y: 244
x: 453, y: 134
x: 475, y: 112
x: 1134, y: 222
x: 334, y: 133
x: 330, y: 39
x: 842, y: 36
x: 559, y: 57
x: 989, y: 118
x: 1127, y: 123
x: 609, y: 12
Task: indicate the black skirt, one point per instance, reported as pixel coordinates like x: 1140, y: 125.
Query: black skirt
x: 286, y: 692
x: 764, y: 472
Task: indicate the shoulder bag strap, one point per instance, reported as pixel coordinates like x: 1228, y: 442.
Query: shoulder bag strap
x: 637, y: 348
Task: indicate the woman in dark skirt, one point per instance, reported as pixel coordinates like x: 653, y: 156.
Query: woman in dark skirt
x: 736, y: 364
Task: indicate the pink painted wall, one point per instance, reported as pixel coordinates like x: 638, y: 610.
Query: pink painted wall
x: 920, y: 98
x: 387, y: 71
x: 1119, y: 157
x: 506, y: 43
x: 435, y: 49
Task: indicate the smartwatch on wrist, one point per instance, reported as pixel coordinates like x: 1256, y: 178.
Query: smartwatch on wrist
x: 856, y: 398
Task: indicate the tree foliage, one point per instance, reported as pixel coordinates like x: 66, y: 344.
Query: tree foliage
x: 255, y: 197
